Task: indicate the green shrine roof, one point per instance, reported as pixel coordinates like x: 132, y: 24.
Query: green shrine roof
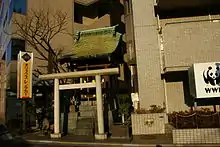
x: 95, y: 42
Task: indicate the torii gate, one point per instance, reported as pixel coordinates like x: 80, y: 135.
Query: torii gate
x: 97, y: 73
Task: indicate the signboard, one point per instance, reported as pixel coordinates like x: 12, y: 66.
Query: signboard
x: 24, y: 75
x: 204, y: 80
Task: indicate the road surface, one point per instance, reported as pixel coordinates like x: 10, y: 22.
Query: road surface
x: 123, y: 145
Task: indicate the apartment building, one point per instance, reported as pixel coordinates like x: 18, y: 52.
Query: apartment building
x: 11, y: 44
x: 5, y: 17
x: 165, y: 38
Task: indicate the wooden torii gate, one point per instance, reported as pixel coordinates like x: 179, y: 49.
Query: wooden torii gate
x: 97, y: 84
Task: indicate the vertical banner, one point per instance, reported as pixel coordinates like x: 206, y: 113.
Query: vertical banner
x: 25, y: 66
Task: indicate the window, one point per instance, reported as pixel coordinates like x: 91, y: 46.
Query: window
x: 78, y: 18
x: 10, y: 10
x: 8, y: 53
x: 20, y: 6
x: 17, y: 45
x: 5, y: 19
x: 1, y: 15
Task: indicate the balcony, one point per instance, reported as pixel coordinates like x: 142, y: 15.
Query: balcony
x: 98, y: 23
x: 178, y: 4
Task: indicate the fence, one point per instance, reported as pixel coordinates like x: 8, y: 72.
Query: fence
x: 195, y: 120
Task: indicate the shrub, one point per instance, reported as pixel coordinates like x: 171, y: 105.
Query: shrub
x: 152, y: 109
x: 203, y: 118
x: 124, y: 104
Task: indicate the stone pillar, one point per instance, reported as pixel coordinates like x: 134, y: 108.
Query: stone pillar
x: 150, y: 85
x: 57, y: 133
x: 99, y: 102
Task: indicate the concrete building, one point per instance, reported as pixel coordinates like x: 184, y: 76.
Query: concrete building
x: 6, y: 15
x: 11, y: 44
x: 164, y: 38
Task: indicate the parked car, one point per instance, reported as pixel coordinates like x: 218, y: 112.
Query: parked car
x: 7, y: 140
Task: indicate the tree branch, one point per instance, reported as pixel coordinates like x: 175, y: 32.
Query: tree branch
x: 38, y: 29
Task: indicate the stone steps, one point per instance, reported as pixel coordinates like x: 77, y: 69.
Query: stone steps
x: 85, y: 120
x: 85, y: 123
x: 83, y: 132
x: 84, y: 126
x: 88, y: 113
x: 87, y: 108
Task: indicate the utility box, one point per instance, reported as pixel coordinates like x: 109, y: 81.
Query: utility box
x: 204, y: 80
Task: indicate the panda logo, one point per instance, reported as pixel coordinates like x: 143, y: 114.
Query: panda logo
x: 212, y: 75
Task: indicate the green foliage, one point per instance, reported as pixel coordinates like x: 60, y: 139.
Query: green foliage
x: 152, y: 109
x: 156, y: 109
x: 124, y: 101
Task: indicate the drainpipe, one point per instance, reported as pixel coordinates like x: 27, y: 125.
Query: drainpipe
x: 161, y: 47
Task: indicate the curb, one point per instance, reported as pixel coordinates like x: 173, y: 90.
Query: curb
x: 97, y: 143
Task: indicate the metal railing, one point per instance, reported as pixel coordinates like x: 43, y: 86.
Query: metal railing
x: 195, y: 120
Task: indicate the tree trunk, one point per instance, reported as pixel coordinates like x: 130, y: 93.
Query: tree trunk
x: 50, y: 62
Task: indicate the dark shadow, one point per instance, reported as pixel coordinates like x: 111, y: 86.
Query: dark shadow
x: 208, y: 101
x: 114, y: 8
x: 120, y: 28
x: 175, y: 10
x: 66, y: 95
x: 106, y: 117
x: 116, y: 11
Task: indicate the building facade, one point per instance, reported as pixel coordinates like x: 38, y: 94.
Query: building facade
x: 11, y: 44
x: 166, y: 38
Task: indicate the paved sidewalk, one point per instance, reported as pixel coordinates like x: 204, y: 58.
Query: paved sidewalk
x: 141, y: 141
x: 101, y: 143
x: 37, y: 137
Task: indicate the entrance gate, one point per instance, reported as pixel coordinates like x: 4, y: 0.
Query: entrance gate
x: 78, y: 74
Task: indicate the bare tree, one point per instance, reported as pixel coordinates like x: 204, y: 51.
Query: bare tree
x: 38, y: 29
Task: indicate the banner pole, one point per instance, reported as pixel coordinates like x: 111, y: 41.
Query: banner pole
x: 23, y: 115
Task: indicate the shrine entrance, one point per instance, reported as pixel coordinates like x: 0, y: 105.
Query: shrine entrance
x: 96, y: 84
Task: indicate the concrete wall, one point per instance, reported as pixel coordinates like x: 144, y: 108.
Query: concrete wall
x: 60, y: 41
x: 145, y: 124
x: 175, y: 96
x: 64, y: 40
x: 197, y: 40
x: 151, y: 87
x: 196, y: 136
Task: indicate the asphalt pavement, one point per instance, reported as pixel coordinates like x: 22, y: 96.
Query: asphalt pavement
x: 119, y: 145
x: 122, y: 145
x: 89, y: 145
